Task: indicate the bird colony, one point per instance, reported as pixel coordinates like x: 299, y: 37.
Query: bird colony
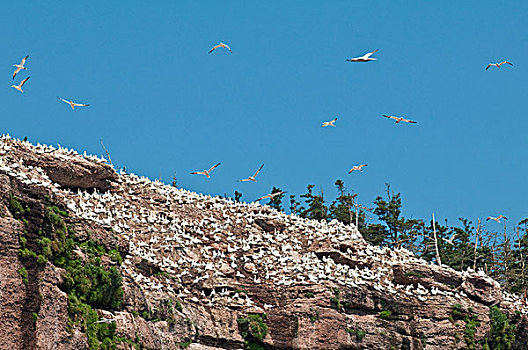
x: 211, y: 246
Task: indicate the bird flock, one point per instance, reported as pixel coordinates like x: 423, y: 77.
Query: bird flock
x: 207, y: 173
x: 212, y: 246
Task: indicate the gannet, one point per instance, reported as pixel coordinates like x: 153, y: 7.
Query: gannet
x: 357, y: 167
x: 498, y: 65
x: 365, y: 58
x: 252, y: 178
x: 270, y: 196
x: 220, y: 45
x: 399, y: 119
x: 330, y: 123
x: 19, y: 86
x: 497, y: 218
x: 20, y: 66
x: 450, y: 240
x: 73, y: 104
x: 205, y: 172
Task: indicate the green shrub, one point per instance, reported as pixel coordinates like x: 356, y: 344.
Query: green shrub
x: 385, y: 314
x: 34, y: 316
x: 115, y: 256
x: 25, y: 253
x: 17, y: 210
x: 253, y: 328
x: 502, y: 334
x: 358, y: 333
x: 24, y: 274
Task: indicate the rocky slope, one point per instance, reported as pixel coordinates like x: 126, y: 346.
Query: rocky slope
x: 93, y: 258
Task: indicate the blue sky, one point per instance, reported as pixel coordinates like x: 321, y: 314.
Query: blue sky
x: 163, y: 105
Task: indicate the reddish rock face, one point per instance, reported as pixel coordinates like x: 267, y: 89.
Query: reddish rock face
x: 207, y: 273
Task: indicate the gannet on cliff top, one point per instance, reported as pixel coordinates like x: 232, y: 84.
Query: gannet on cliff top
x: 220, y: 45
x: 330, y: 123
x: 497, y: 218
x: 498, y: 65
x: 252, y: 178
x: 205, y: 172
x: 399, y: 119
x: 19, y: 86
x: 20, y: 66
x: 365, y: 58
x: 73, y: 104
x: 357, y: 167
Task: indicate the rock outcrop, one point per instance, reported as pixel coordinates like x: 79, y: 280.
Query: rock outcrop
x: 208, y: 273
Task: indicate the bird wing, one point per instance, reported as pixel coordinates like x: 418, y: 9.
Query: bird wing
x: 227, y: 47
x: 489, y: 217
x: 507, y: 63
x: 24, y: 81
x: 370, y: 53
x: 259, y: 169
x: 213, y: 167
x: 24, y: 60
x: 16, y: 72
x: 214, y: 48
x: 351, y: 170
x: 63, y: 100
x: 489, y: 65
x: 81, y: 104
x: 263, y: 197
x: 334, y: 120
x: 198, y: 173
x: 502, y: 216
x: 389, y: 116
x: 363, y: 165
x: 409, y: 121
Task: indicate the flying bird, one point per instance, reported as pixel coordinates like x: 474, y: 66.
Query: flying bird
x: 271, y: 195
x: 206, y: 172
x: 20, y: 66
x: 497, y: 218
x: 365, y: 58
x: 357, y: 167
x: 450, y: 240
x: 73, y: 104
x: 399, y: 119
x: 253, y: 178
x: 330, y: 123
x: 498, y: 65
x: 19, y: 86
x: 220, y: 45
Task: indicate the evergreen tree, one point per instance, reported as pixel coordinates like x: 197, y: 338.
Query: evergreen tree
x: 316, y: 208
x: 276, y: 202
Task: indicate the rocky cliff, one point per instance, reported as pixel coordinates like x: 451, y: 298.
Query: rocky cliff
x: 92, y: 258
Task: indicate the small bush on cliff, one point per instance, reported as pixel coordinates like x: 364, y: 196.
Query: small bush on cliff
x: 24, y: 274
x: 253, y: 329
x: 358, y: 333
x: 385, y: 314
x: 502, y: 334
